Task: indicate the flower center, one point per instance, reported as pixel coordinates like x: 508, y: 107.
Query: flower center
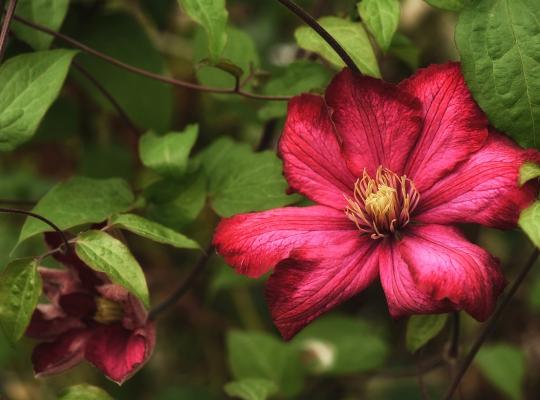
x: 108, y: 311
x: 382, y: 205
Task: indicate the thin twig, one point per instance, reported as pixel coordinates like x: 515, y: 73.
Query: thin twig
x: 327, y: 37
x: 490, y: 325
x: 453, y: 350
x: 41, y: 218
x: 4, y: 31
x: 144, y: 72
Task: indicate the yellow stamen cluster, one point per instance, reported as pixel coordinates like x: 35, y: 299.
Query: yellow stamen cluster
x: 382, y: 205
x: 108, y: 311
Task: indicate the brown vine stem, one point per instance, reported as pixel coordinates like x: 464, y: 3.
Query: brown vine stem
x: 323, y: 33
x: 41, y: 218
x: 490, y: 325
x: 143, y: 72
x: 4, y: 31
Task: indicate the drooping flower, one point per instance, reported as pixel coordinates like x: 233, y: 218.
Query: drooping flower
x: 88, y: 318
x: 392, y: 168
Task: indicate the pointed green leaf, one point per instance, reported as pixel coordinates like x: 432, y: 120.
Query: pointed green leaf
x: 168, y: 154
x: 251, y: 389
x: 212, y: 16
x: 499, y: 46
x: 109, y: 255
x: 529, y: 221
x: 422, y: 328
x: 49, y: 13
x: 79, y: 201
x: 528, y: 171
x: 20, y: 288
x: 381, y: 18
x: 504, y: 366
x: 351, y: 35
x: 153, y: 231
x: 29, y: 83
x: 84, y: 392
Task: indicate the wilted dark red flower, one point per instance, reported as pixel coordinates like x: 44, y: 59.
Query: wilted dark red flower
x: 90, y: 318
x: 391, y: 169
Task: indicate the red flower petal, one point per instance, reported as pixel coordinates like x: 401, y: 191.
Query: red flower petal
x: 484, y: 189
x: 454, y: 126
x: 78, y: 305
x: 403, y: 295
x: 316, y: 279
x: 64, y: 353
x: 446, y: 265
x: 49, y: 321
x: 378, y: 123
x: 120, y: 352
x: 57, y: 282
x: 254, y: 243
x: 312, y: 160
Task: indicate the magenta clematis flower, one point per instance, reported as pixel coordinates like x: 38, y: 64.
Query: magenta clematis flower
x: 392, y: 168
x: 90, y: 318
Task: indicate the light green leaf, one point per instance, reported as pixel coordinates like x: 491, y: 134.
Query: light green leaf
x: 260, y: 355
x: 153, y: 231
x: 343, y: 345
x: 299, y: 77
x: 528, y: 171
x: 251, y: 389
x: 241, y: 180
x: 29, y: 83
x: 529, y: 221
x: 84, y: 392
x: 422, y: 328
x: 404, y: 49
x: 212, y: 16
x: 351, y: 35
x: 49, y: 13
x: 450, y: 5
x: 381, y: 18
x: 168, y: 155
x: 79, y: 201
x: 20, y: 288
x: 106, y: 254
x: 499, y: 46
x: 504, y: 366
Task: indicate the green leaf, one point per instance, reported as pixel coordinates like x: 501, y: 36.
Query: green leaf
x: 20, y: 288
x: 260, y: 355
x: 29, y: 84
x: 404, y: 49
x: 529, y: 221
x: 381, y: 18
x: 49, y: 13
x: 239, y: 51
x: 241, y: 180
x: 299, y: 77
x: 153, y: 231
x: 84, y: 392
x: 499, y: 46
x: 351, y: 35
x: 147, y: 102
x: 346, y: 345
x: 212, y: 16
x: 168, y: 155
x: 106, y: 254
x: 528, y: 171
x: 79, y: 201
x: 422, y: 328
x: 504, y: 366
x: 251, y: 389
x: 450, y: 5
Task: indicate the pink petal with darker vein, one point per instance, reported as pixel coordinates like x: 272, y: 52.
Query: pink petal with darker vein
x: 316, y: 279
x: 312, y: 161
x: 377, y: 122
x: 254, y: 243
x: 454, y: 126
x: 446, y: 265
x: 484, y: 189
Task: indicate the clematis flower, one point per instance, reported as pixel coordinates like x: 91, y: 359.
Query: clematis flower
x: 392, y: 169
x: 90, y: 318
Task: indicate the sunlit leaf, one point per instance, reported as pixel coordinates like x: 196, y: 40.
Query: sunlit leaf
x: 528, y: 171
x: 84, y: 392
x: 422, y: 328
x: 381, y: 18
x: 529, y: 221
x: 251, y: 389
